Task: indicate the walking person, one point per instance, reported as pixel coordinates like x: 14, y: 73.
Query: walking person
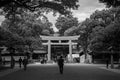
x: 4, y: 61
x: 12, y: 62
x: 45, y: 60
x: 107, y: 63
x: 25, y: 62
x: 20, y: 62
x: 61, y: 64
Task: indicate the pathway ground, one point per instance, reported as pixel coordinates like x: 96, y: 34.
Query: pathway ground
x: 71, y: 72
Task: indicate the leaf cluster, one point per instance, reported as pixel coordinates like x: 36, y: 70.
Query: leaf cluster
x: 111, y: 3
x: 101, y: 31
x: 62, y: 6
x: 65, y: 22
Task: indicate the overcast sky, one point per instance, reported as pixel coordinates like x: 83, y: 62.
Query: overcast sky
x: 87, y: 7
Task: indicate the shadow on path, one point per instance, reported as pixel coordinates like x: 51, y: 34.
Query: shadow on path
x: 71, y: 72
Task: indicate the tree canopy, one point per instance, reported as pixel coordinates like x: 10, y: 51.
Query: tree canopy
x: 27, y: 26
x: 101, y: 31
x: 22, y: 17
x: 62, y: 6
x: 7, y: 38
x: 65, y: 22
x: 111, y: 3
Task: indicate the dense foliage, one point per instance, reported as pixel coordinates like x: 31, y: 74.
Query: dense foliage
x: 100, y: 32
x: 66, y: 22
x: 111, y: 3
x: 62, y: 6
x: 28, y: 26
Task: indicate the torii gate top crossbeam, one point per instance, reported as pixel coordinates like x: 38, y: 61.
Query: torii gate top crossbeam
x: 59, y: 37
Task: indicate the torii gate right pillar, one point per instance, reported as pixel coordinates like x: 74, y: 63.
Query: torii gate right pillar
x: 70, y: 51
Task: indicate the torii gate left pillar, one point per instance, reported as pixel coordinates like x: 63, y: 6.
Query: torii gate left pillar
x: 49, y: 51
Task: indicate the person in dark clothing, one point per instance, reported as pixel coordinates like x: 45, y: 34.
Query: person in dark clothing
x: 20, y: 62
x: 61, y: 64
x: 107, y: 62
x: 12, y: 62
x: 25, y: 62
x: 4, y: 61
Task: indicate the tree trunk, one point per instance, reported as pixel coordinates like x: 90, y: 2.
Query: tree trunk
x: 11, y: 62
x: 86, y: 56
x: 0, y: 59
x: 119, y: 61
x: 79, y: 58
x: 92, y: 58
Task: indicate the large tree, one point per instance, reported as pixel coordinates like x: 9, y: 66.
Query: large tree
x: 85, y: 30
x: 13, y: 10
x: 27, y: 25
x: 7, y: 39
x: 105, y: 37
x: 62, y: 6
x: 65, y: 22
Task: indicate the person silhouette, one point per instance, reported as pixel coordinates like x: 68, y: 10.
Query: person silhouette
x: 107, y: 62
x: 12, y: 62
x: 20, y: 62
x: 61, y: 64
x: 3, y: 61
x: 25, y: 62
